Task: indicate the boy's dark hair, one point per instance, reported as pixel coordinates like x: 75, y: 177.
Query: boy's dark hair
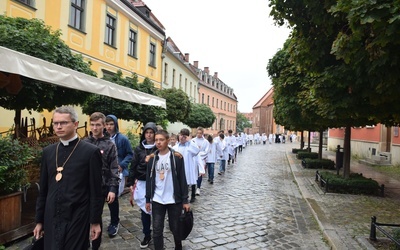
x: 163, y: 133
x: 184, y: 131
x: 230, y: 131
x: 222, y: 136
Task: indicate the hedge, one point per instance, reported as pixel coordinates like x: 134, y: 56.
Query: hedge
x: 303, y: 155
x: 355, y: 184
x: 318, y: 163
x: 298, y: 150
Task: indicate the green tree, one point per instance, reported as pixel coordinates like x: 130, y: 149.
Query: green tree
x: 242, y: 122
x: 145, y: 113
x: 200, y: 116
x: 125, y: 110
x: 294, y: 105
x: 341, y: 95
x: 107, y: 105
x: 369, y: 44
x: 34, y: 38
x: 178, y: 104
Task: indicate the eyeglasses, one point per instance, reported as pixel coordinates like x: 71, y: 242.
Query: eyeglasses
x: 62, y: 124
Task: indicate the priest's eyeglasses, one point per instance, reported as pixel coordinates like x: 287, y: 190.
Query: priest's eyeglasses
x: 62, y: 124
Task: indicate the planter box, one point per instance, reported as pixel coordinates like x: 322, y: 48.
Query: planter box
x: 10, y: 211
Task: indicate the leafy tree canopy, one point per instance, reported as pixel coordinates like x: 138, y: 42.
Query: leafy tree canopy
x: 293, y: 107
x: 107, y: 105
x: 34, y: 38
x: 351, y: 49
x: 242, y: 122
x: 178, y: 104
x: 125, y: 110
x: 147, y: 113
x: 200, y: 116
x: 369, y: 45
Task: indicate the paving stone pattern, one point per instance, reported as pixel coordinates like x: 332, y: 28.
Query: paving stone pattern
x: 255, y: 204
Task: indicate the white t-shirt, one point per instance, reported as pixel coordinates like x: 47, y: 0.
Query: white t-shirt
x: 164, y: 192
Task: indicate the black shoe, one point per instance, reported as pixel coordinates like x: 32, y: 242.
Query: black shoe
x: 219, y: 173
x: 192, y: 200
x: 211, y: 182
x: 145, y: 242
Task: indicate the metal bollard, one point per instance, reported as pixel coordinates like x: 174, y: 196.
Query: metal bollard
x: 372, y: 233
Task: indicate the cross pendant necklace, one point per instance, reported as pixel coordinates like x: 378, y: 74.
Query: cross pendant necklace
x: 61, y: 168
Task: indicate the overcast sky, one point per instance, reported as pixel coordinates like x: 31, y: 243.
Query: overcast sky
x: 234, y: 38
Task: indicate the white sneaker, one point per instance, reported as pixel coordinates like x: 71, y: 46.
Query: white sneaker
x: 198, y: 191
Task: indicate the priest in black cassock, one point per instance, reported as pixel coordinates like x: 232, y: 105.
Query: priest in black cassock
x: 70, y: 201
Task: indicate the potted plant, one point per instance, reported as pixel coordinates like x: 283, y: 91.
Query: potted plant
x: 13, y: 177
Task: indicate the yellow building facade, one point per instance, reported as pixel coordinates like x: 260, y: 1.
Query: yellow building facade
x: 112, y: 34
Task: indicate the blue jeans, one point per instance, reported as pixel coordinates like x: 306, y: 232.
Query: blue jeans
x: 210, y: 169
x: 199, y: 180
x: 146, y: 223
x: 222, y: 166
x: 158, y: 212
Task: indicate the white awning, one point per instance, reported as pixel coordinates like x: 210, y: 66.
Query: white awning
x: 18, y: 63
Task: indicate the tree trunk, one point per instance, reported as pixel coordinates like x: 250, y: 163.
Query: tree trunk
x: 302, y: 140
x: 17, y: 122
x: 321, y: 134
x: 346, y: 152
x: 309, y: 141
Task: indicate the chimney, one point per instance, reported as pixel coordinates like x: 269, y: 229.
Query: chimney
x: 186, y: 57
x: 206, y: 70
x: 196, y: 64
x: 215, y: 74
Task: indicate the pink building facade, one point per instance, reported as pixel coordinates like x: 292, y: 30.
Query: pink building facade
x: 378, y: 144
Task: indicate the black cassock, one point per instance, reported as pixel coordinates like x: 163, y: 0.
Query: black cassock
x: 69, y: 206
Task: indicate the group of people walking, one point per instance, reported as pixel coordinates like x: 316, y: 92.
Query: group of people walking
x: 78, y: 175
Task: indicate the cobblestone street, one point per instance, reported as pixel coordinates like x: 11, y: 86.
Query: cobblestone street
x: 255, y: 204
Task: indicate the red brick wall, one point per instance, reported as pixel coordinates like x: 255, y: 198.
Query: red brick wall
x: 367, y: 134
x: 362, y: 134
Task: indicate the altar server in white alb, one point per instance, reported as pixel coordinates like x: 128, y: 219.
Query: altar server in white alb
x: 203, y: 145
x: 189, y: 150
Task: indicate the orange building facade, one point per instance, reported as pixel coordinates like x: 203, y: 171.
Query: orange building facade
x: 220, y: 98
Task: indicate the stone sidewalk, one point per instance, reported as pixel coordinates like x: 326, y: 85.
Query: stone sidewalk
x: 345, y: 219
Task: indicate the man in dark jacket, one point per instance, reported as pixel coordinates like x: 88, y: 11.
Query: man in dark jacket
x: 110, y: 180
x: 125, y: 153
x: 137, y: 176
x: 70, y: 201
